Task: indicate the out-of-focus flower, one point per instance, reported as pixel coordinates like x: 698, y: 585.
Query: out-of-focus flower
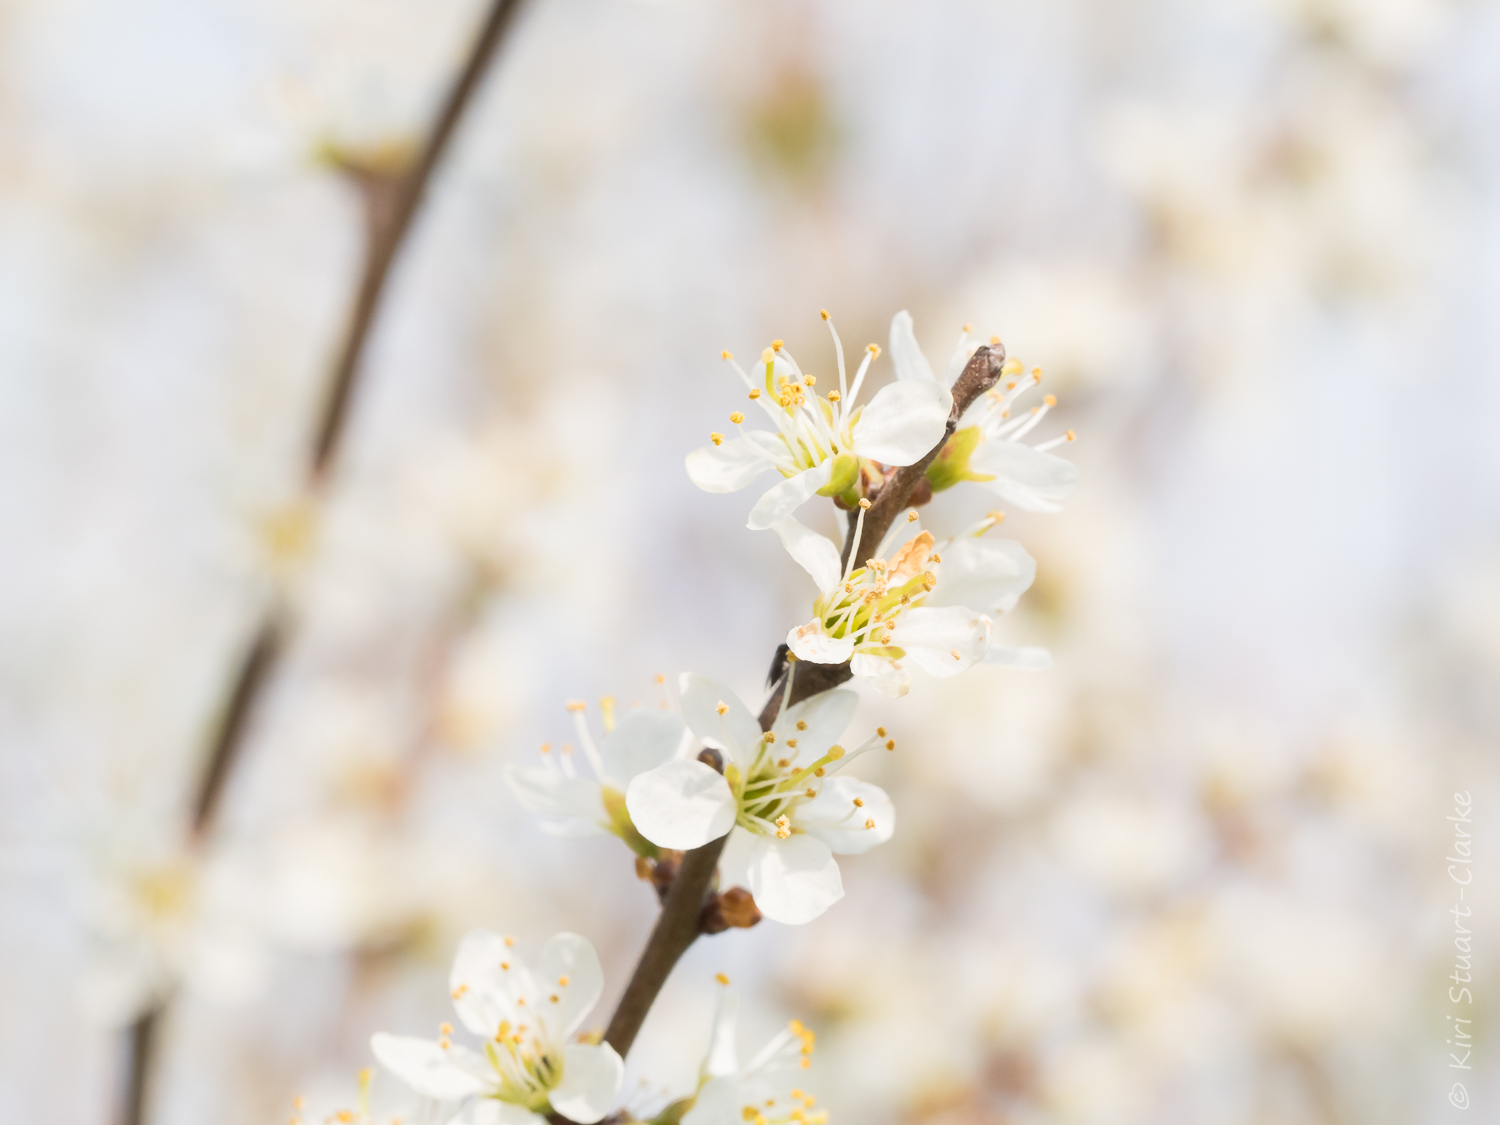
x: 528, y: 1067
x: 910, y: 602
x: 987, y: 447
x: 760, y: 1093
x: 788, y: 817
x: 820, y: 444
x: 317, y: 1111
x: 575, y: 805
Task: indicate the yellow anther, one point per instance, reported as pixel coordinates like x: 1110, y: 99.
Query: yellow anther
x: 445, y: 1029
x: 563, y: 981
x: 503, y: 1030
x: 890, y: 744
x: 998, y: 517
x: 823, y: 313
x: 726, y: 355
x: 782, y: 763
x: 874, y: 350
x: 510, y: 941
x: 953, y: 652
x: 796, y: 1027
x: 459, y: 991
x: 994, y: 340
x: 783, y: 827
x: 833, y: 396
x: 721, y: 978
x: 505, y: 966
x: 806, y: 1063
x: 809, y: 381
x: 769, y: 737
x: 792, y: 742
x: 880, y: 731
x: 911, y: 516
x: 546, y: 748
x: 864, y: 503
x: 968, y: 328
x: 796, y: 1093
x: 936, y: 557
x: 748, y: 1113
x: 835, y: 752
x: 1050, y: 400
x: 776, y: 345
x: 859, y: 802
x: 1071, y: 436
x: 809, y: 793
x: 576, y: 705
x: 870, y: 823
x: 554, y: 998
x: 1011, y: 367
x: 755, y: 392
x: 716, y: 438
x: 819, y: 771
x: 721, y: 707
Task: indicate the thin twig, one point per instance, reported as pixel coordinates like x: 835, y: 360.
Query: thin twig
x: 388, y: 228
x: 678, y: 925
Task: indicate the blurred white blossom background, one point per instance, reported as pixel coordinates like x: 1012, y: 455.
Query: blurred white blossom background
x: 1193, y: 873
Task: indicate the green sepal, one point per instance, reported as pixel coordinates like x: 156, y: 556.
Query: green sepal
x: 621, y: 825
x: 674, y: 1112
x: 952, y: 464
x: 842, y: 476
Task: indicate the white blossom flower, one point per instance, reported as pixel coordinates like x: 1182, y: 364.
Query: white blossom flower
x: 820, y: 443
x: 787, y: 816
x: 911, y: 603
x: 528, y: 1067
x: 760, y: 1093
x: 987, y: 446
x: 574, y: 804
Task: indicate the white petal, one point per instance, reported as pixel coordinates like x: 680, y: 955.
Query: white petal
x: 734, y: 861
x: 942, y: 642
x: 571, y: 958
x: 549, y: 793
x: 810, y: 642
x: 833, y: 817
x: 887, y: 676
x: 483, y: 991
x: 1024, y: 659
x: 825, y: 715
x: 683, y: 804
x: 722, y: 1056
x: 903, y: 422
x: 424, y: 1066
x: 590, y: 1082
x: 491, y: 1111
x: 906, y: 355
x: 815, y: 553
x: 736, y: 730
x: 783, y: 499
x: 731, y: 466
x: 718, y: 1103
x: 989, y: 575
x: 1031, y: 481
x: 643, y: 739
x: 794, y: 880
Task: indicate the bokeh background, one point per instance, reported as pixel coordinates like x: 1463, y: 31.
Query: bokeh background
x: 1194, y: 873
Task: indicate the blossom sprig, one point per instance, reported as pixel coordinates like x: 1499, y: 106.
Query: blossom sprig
x: 528, y: 1066
x: 821, y: 444
x: 787, y: 813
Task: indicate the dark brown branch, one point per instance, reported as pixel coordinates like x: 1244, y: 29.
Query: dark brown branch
x: 388, y: 232
x: 140, y: 1038
x: 389, y: 216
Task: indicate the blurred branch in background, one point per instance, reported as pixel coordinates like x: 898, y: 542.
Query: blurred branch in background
x: 392, y: 192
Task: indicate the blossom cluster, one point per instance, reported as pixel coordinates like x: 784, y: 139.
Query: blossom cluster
x: 770, y: 793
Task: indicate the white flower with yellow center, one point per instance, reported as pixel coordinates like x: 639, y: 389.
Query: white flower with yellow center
x: 787, y: 815
x: 988, y: 446
x: 820, y: 443
x: 528, y: 1067
x: 912, y: 603
x: 763, y: 1092
x: 573, y: 803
